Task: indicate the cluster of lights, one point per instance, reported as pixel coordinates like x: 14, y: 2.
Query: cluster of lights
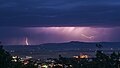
x: 81, y: 56
x: 84, y: 56
x: 44, y: 66
x: 15, y: 58
x: 50, y: 65
x: 24, y: 60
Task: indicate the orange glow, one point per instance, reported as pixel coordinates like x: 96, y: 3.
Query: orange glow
x: 84, y: 56
x: 75, y: 56
x: 81, y: 56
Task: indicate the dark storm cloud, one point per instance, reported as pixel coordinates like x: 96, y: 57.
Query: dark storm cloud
x: 60, y: 13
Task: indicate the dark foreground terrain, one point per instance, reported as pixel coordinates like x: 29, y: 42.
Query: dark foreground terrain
x: 61, y: 55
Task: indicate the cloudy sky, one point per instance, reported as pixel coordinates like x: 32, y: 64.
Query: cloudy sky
x: 43, y: 21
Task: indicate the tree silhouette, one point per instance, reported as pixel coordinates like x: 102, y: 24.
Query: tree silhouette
x: 5, y: 58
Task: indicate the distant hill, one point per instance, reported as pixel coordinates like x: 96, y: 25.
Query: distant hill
x: 77, y: 44
x: 82, y: 43
x: 68, y: 43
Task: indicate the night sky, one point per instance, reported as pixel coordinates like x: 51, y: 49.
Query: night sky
x: 49, y: 21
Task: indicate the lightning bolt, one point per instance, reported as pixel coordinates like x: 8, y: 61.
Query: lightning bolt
x: 89, y: 37
x: 26, y: 41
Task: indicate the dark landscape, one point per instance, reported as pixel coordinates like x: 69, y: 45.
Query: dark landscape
x: 64, y: 55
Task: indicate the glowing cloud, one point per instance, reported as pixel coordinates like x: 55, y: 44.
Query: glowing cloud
x: 38, y: 35
x: 62, y: 34
x: 89, y: 37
